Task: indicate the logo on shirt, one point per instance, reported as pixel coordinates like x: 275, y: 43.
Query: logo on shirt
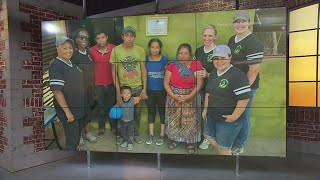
x: 209, y: 58
x: 156, y: 75
x: 129, y: 64
x: 238, y: 49
x: 223, y: 83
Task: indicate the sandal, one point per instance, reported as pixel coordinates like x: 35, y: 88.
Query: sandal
x: 191, y: 149
x: 173, y: 145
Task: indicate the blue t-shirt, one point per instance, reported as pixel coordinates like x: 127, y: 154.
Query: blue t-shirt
x: 156, y: 71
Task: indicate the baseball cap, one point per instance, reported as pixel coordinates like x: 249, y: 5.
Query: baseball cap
x: 242, y: 14
x: 221, y: 50
x: 129, y: 29
x: 61, y: 39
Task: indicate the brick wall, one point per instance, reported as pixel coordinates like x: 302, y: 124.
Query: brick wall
x: 3, y: 120
x: 298, y: 3
x: 251, y: 4
x: 37, y: 14
x: 302, y: 123
x: 205, y: 5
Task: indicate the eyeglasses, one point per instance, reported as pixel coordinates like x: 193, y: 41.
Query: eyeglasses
x: 83, y: 37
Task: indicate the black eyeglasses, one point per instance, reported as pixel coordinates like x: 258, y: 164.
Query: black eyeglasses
x: 83, y: 37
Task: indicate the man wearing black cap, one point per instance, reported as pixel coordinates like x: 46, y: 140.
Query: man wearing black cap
x: 129, y: 69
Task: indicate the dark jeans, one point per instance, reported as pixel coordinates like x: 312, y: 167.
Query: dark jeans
x: 72, y: 132
x: 127, y: 131
x: 90, y: 103
x: 106, y: 98
x: 156, y: 99
x: 137, y: 110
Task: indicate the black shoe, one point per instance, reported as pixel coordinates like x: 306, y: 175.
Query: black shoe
x: 100, y: 133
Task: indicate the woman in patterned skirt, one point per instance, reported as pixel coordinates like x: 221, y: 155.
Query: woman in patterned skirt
x: 183, y: 115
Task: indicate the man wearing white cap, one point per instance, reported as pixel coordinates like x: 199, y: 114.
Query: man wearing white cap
x: 227, y: 95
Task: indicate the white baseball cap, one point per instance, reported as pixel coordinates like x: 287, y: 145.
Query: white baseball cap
x: 61, y: 39
x: 221, y: 51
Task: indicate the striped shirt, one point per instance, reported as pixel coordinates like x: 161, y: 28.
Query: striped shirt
x: 245, y: 52
x: 68, y: 78
x: 225, y: 90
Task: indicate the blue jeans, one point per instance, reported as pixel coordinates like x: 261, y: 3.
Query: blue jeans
x: 243, y: 135
x: 223, y: 132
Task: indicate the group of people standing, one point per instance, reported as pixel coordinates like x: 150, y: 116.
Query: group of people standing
x: 217, y: 85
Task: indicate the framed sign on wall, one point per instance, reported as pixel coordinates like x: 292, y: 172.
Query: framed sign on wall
x: 156, y: 26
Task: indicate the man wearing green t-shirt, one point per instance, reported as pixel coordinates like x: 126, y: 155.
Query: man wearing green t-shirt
x: 128, y: 69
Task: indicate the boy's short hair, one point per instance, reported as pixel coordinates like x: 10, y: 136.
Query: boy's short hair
x: 96, y: 32
x: 125, y: 87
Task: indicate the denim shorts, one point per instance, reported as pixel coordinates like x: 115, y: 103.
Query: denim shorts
x: 223, y: 132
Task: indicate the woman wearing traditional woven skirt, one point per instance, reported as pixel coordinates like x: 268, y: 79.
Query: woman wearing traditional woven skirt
x: 183, y: 123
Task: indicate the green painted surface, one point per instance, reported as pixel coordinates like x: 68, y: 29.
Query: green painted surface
x: 181, y: 29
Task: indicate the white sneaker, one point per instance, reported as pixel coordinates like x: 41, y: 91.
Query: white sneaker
x: 124, y: 144
x: 90, y: 137
x: 205, y: 144
x: 130, y: 147
x: 81, y: 140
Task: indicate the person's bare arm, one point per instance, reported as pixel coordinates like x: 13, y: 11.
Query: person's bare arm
x: 63, y: 104
x: 205, y: 107
x: 114, y: 68
x: 144, y: 80
x: 253, y: 73
x: 240, y: 108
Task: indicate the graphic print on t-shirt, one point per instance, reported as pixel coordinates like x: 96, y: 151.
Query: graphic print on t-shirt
x: 156, y: 75
x: 209, y: 58
x: 238, y: 49
x: 129, y: 64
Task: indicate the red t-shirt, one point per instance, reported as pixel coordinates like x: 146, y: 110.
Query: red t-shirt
x: 102, y: 66
x: 180, y: 82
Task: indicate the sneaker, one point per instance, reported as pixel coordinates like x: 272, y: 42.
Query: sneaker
x: 237, y: 151
x: 149, y: 139
x: 81, y: 140
x: 205, y: 144
x: 137, y: 139
x: 119, y: 140
x: 124, y: 144
x: 114, y: 131
x: 160, y: 141
x: 130, y: 147
x: 100, y: 133
x: 90, y: 137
